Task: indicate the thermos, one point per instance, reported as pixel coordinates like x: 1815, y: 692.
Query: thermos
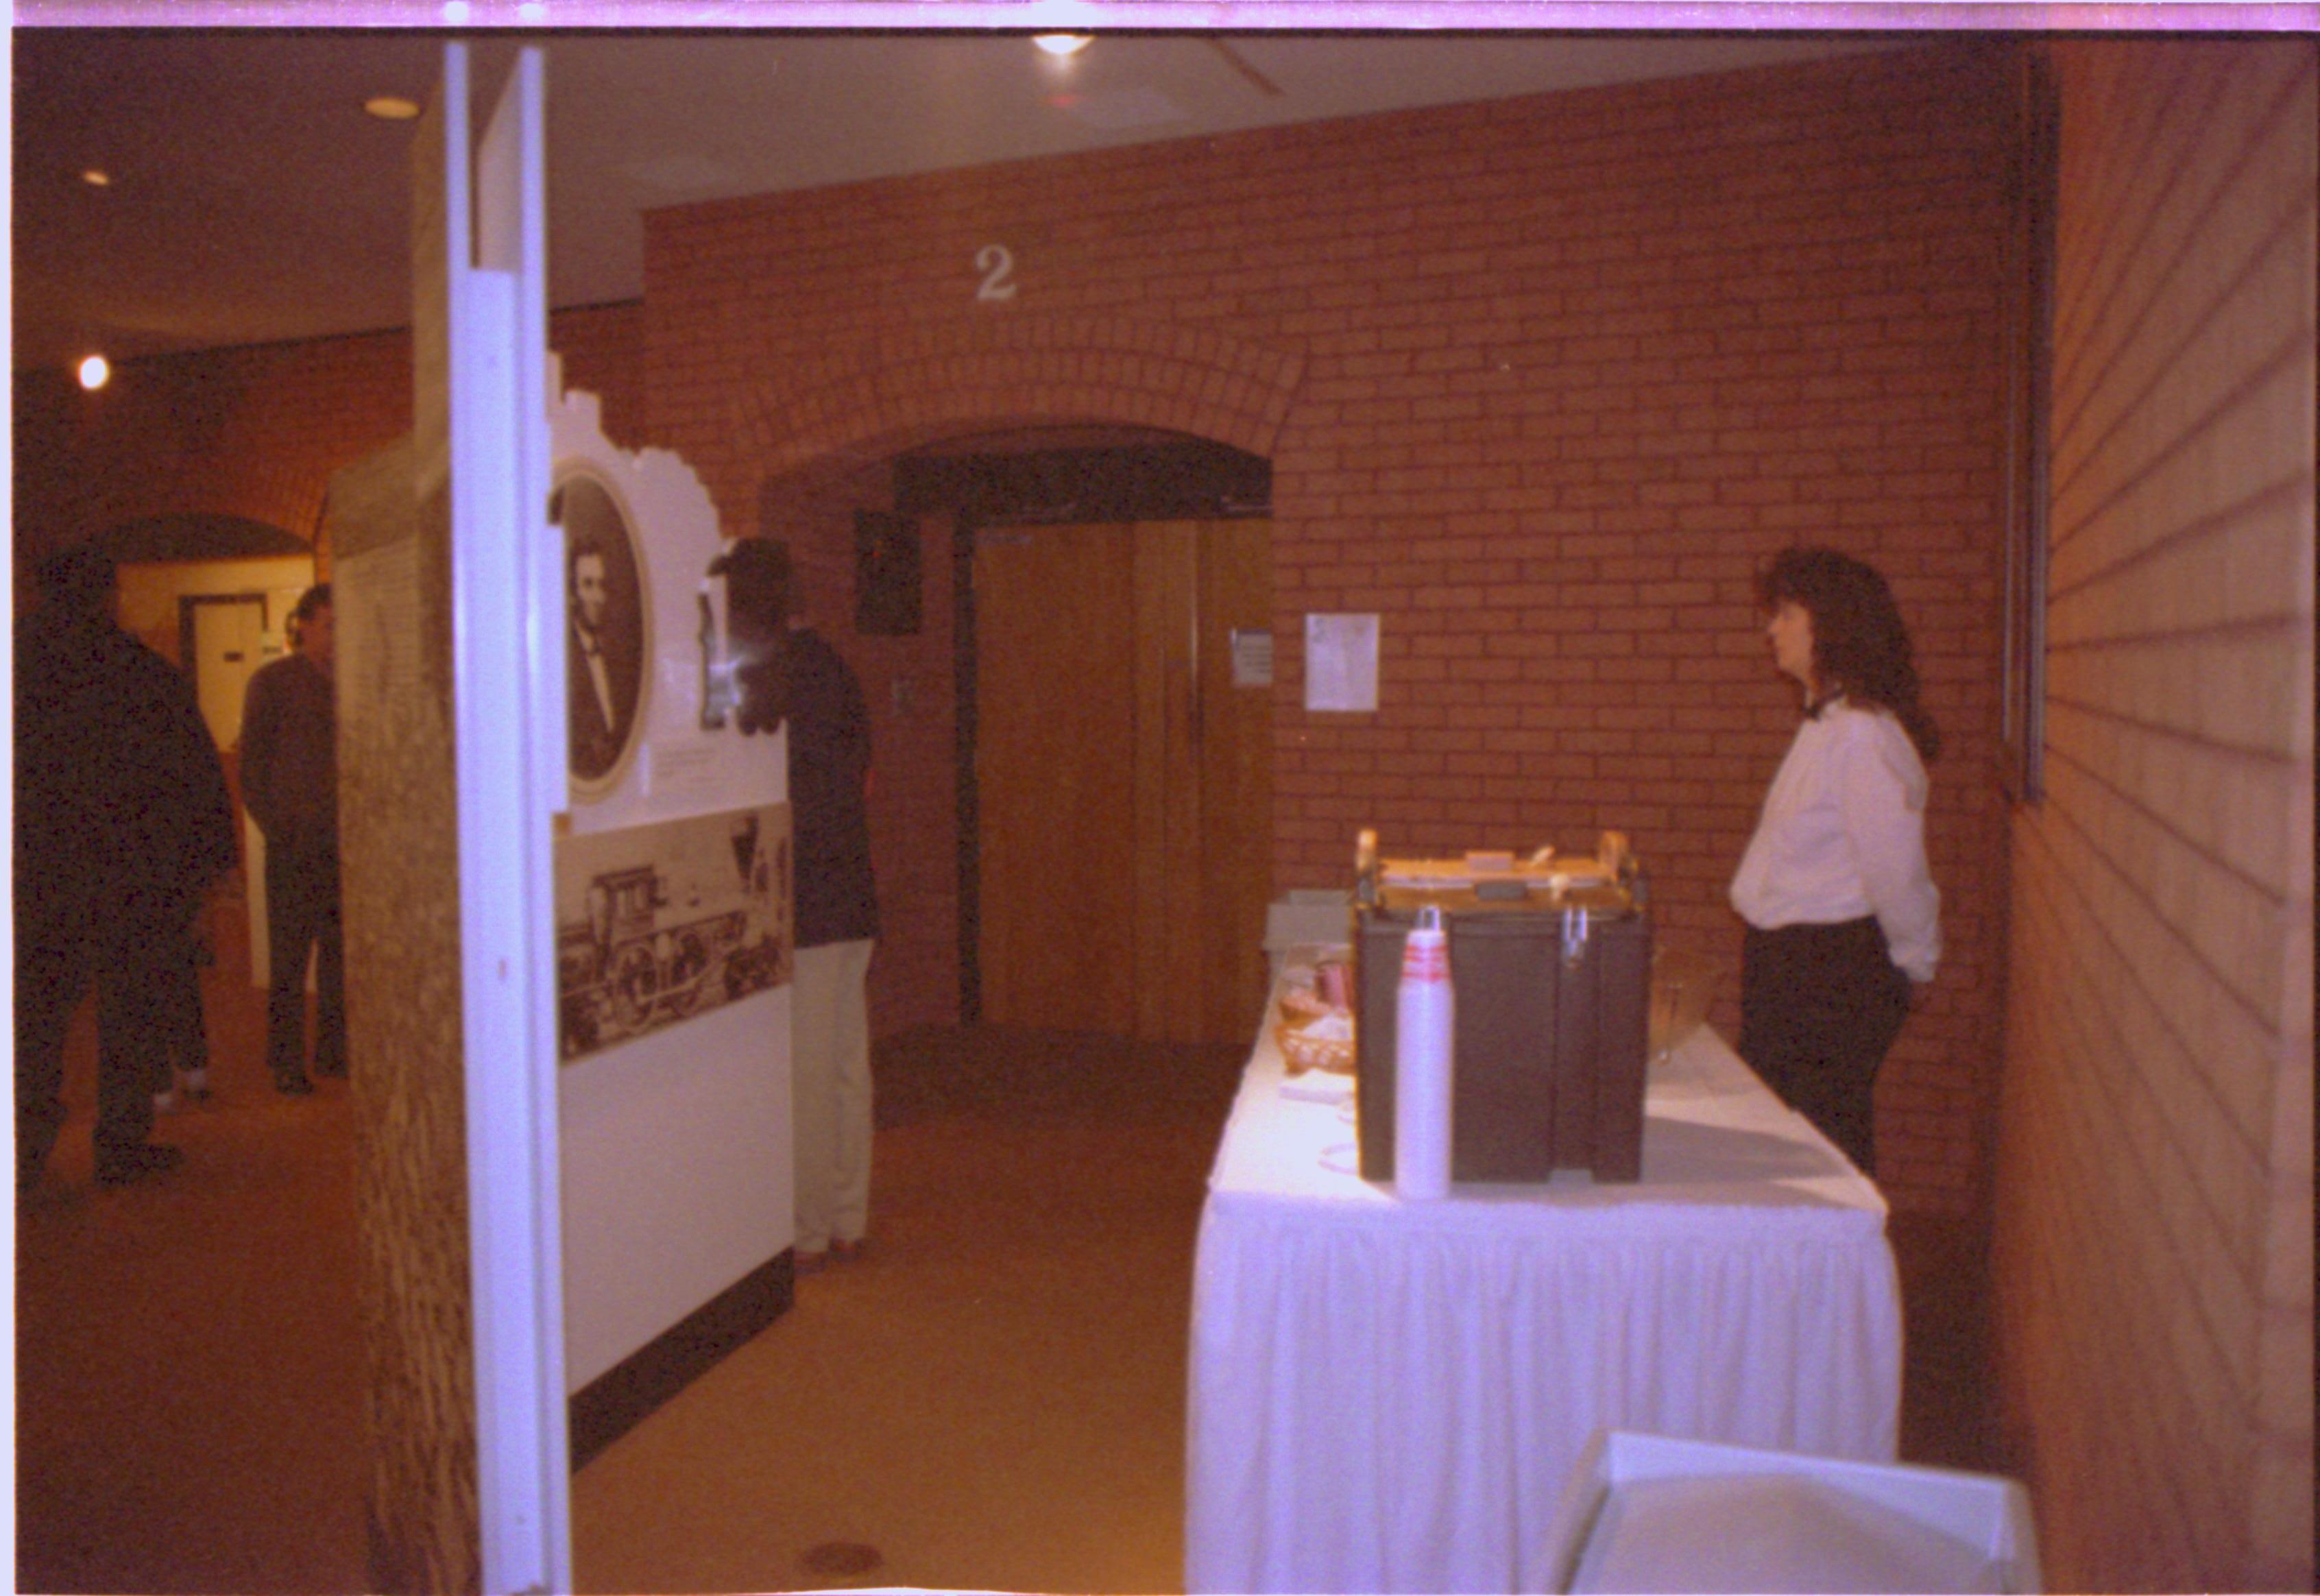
x: 1425, y: 1011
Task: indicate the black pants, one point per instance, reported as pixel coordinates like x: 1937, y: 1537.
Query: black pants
x: 1819, y: 1005
x: 185, y: 1042
x: 127, y: 956
x: 302, y: 912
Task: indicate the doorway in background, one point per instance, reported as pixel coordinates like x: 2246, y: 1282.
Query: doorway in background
x: 1122, y: 769
x: 225, y: 644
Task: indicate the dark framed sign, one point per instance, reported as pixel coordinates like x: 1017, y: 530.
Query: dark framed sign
x: 886, y: 575
x: 607, y: 630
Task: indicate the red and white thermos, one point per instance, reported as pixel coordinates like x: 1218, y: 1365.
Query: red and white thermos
x: 1425, y: 1011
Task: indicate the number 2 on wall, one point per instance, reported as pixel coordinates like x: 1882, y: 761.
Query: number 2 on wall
x: 998, y: 269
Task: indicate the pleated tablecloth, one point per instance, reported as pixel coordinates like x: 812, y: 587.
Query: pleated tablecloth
x: 1388, y: 1396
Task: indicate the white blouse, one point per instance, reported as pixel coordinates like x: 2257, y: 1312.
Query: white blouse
x: 1843, y: 834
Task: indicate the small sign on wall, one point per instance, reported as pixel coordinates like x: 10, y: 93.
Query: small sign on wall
x: 1252, y: 656
x: 1341, y: 663
x: 886, y: 575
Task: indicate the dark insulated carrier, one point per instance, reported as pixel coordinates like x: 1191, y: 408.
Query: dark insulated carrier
x: 1547, y: 1055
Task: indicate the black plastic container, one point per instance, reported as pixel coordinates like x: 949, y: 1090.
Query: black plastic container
x: 1553, y: 991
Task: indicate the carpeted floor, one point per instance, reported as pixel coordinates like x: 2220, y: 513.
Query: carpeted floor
x: 992, y: 1398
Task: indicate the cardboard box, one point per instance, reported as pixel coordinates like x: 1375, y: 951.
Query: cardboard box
x: 1872, y: 1526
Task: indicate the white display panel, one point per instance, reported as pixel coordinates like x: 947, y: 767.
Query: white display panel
x: 676, y: 1110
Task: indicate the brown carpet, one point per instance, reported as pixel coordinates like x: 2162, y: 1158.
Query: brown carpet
x: 189, y: 1407
x: 992, y: 1398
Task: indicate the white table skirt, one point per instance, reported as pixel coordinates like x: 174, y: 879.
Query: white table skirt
x: 1388, y: 1396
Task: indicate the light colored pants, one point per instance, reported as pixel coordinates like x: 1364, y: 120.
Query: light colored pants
x: 830, y: 1094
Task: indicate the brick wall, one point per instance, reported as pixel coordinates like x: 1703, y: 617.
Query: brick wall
x: 253, y: 432
x: 1541, y: 381
x: 2154, y: 1184
x: 256, y: 431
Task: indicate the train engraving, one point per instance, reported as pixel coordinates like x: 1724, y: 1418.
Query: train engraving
x: 663, y: 923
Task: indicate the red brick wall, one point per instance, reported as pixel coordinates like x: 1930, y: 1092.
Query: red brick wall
x: 1541, y: 381
x: 256, y: 431
x: 253, y: 432
x: 2155, y: 1173
x: 602, y: 349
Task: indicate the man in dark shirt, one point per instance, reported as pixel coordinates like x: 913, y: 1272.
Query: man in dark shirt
x: 290, y: 784
x: 837, y: 930
x: 122, y: 823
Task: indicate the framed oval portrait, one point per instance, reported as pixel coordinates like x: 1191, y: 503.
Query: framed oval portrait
x: 607, y: 630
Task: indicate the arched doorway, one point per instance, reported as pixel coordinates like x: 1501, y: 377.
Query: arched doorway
x: 210, y: 591
x: 1113, y: 597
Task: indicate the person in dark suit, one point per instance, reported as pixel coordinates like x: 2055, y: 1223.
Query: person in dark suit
x: 290, y: 784
x: 122, y: 823
x: 600, y: 681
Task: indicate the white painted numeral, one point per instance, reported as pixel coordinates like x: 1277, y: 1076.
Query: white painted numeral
x: 998, y: 269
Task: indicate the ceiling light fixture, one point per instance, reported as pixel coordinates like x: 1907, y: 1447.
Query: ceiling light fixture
x: 95, y: 373
x: 391, y: 107
x: 97, y: 177
x: 1062, y: 44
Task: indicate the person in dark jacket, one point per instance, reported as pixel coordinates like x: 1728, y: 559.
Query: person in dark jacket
x: 837, y: 907
x: 290, y: 784
x: 123, y: 823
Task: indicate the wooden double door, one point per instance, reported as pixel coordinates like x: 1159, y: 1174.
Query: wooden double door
x: 1123, y: 775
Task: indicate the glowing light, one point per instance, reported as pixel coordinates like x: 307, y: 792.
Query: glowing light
x: 95, y: 373
x: 97, y: 177
x: 391, y: 107
x: 1061, y: 44
x: 455, y: 11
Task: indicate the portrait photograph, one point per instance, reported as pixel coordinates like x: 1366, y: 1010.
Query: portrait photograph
x: 606, y: 625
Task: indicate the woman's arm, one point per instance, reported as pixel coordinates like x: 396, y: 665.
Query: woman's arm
x: 1880, y: 789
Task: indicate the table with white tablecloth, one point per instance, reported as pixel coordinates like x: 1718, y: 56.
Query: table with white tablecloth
x: 1388, y: 1396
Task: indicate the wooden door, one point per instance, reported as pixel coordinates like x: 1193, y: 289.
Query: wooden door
x: 1235, y: 774
x: 1123, y: 777
x: 1055, y: 762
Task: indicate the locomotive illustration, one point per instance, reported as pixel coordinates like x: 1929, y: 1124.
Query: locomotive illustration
x: 701, y: 921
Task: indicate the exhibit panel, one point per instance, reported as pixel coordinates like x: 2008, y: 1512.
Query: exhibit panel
x: 674, y: 939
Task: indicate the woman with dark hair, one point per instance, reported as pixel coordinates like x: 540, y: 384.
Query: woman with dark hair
x: 1844, y: 919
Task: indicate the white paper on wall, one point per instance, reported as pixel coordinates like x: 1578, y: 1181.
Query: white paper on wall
x: 1341, y: 663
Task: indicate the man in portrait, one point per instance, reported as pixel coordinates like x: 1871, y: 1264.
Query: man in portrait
x: 602, y: 662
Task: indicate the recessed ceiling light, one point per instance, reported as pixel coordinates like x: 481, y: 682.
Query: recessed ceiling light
x: 1061, y: 44
x: 391, y: 107
x: 97, y: 177
x: 95, y: 373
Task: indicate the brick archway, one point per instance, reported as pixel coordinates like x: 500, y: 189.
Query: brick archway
x: 903, y: 392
